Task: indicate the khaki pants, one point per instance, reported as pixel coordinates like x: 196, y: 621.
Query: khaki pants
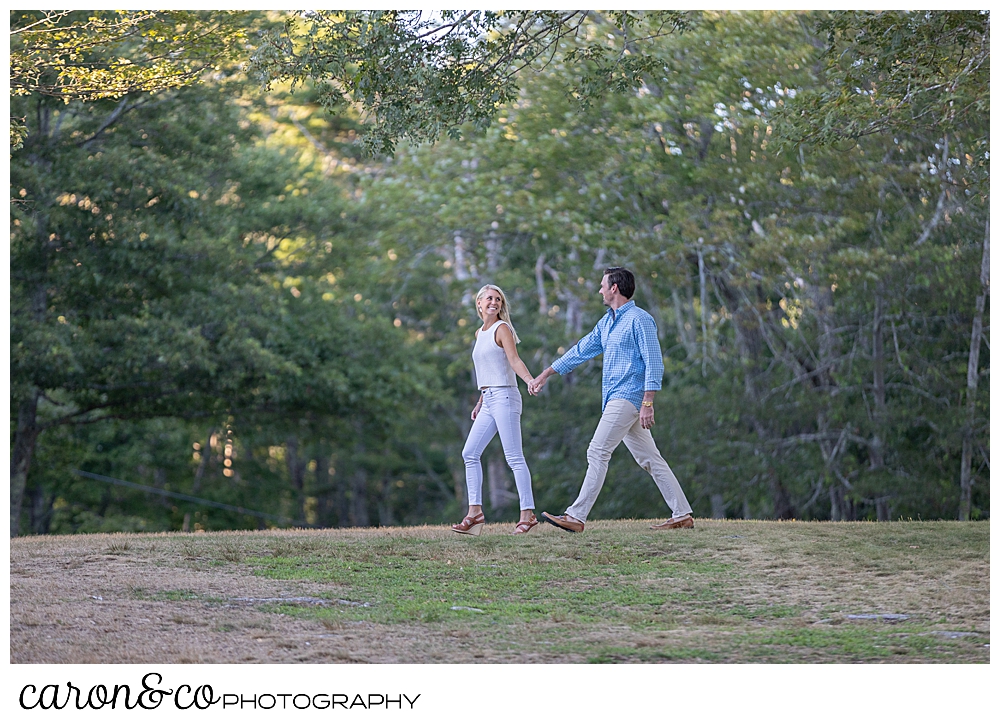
x: 620, y: 422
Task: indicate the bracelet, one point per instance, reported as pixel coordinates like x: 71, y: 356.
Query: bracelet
x: 646, y: 403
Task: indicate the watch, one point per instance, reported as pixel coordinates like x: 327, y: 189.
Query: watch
x: 647, y: 403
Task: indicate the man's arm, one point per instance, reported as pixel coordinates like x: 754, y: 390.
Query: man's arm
x: 587, y: 348
x: 649, y: 349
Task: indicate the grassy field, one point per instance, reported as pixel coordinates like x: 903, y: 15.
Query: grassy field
x: 726, y: 591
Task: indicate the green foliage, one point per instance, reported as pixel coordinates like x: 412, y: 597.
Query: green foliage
x: 167, y: 263
x: 769, y: 405
x: 896, y: 72
x: 217, y: 267
x: 93, y: 55
x: 420, y: 75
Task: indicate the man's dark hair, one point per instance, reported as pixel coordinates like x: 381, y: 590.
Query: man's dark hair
x: 623, y: 278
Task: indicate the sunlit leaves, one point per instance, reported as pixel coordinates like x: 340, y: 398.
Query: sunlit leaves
x: 420, y: 75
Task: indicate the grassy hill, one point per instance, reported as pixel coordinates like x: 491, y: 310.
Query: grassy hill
x: 726, y: 591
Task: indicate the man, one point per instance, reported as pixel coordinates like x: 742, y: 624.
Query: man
x: 633, y: 369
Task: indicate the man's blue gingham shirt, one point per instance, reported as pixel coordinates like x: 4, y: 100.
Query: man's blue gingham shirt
x: 632, y: 359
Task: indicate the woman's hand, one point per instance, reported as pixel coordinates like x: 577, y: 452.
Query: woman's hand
x: 539, y: 382
x: 530, y: 381
x: 475, y: 410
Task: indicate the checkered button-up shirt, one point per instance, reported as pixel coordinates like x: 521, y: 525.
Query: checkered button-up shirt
x: 632, y: 359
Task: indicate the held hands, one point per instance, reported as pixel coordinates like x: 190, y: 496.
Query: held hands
x: 530, y: 382
x: 539, y: 382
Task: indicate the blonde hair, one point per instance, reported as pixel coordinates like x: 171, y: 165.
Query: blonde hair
x: 504, y: 307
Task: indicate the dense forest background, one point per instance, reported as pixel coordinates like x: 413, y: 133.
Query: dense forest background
x: 229, y: 283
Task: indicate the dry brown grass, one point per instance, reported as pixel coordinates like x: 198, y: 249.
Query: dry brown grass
x: 728, y: 591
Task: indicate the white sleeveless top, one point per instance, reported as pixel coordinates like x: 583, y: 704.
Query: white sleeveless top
x: 492, y: 367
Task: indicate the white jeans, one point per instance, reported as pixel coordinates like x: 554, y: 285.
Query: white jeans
x: 501, y: 412
x: 619, y: 422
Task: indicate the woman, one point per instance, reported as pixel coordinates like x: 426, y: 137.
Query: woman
x: 498, y: 410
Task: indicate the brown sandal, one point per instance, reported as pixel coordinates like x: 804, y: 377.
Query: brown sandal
x: 525, y: 525
x: 470, y: 525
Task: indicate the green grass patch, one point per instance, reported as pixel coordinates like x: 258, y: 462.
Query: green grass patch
x: 602, y: 580
x: 168, y: 595
x: 732, y: 591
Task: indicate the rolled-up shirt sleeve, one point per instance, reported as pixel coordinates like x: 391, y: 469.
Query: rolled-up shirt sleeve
x: 649, y: 349
x: 587, y: 348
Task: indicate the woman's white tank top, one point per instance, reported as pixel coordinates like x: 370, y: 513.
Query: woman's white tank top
x: 492, y: 367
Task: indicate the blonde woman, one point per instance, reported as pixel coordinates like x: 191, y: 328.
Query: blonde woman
x: 498, y: 410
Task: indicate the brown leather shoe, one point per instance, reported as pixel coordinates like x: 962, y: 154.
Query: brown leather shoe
x: 685, y: 521
x: 564, y: 522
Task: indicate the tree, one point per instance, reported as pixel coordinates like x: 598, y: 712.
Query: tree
x: 922, y: 75
x: 419, y: 74
x: 155, y: 258
x: 813, y: 300
x: 891, y: 72
x: 807, y: 323
x: 85, y: 56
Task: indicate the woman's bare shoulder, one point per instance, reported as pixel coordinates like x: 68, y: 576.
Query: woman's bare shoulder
x: 503, y: 333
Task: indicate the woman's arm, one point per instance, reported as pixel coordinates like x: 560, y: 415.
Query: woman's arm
x: 506, y: 340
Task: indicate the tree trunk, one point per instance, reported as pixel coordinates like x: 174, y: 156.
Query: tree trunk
x: 682, y: 331
x: 28, y: 429
x: 822, y: 297
x: 876, y: 453
x: 876, y: 449
x: 359, y: 499
x: 650, y: 302
x: 835, y: 502
x: 972, y: 384
x: 492, y: 252
x: 783, y: 508
x: 160, y: 481
x: 297, y: 474
x: 41, y: 509
x: 385, y: 517
x: 25, y: 437
x: 703, y: 303
x: 574, y: 320
x: 749, y: 338
x: 841, y: 507
x: 718, y: 506
x: 543, y: 300
x: 341, y: 501
x: 461, y: 268
x: 324, y: 504
x: 206, y: 451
